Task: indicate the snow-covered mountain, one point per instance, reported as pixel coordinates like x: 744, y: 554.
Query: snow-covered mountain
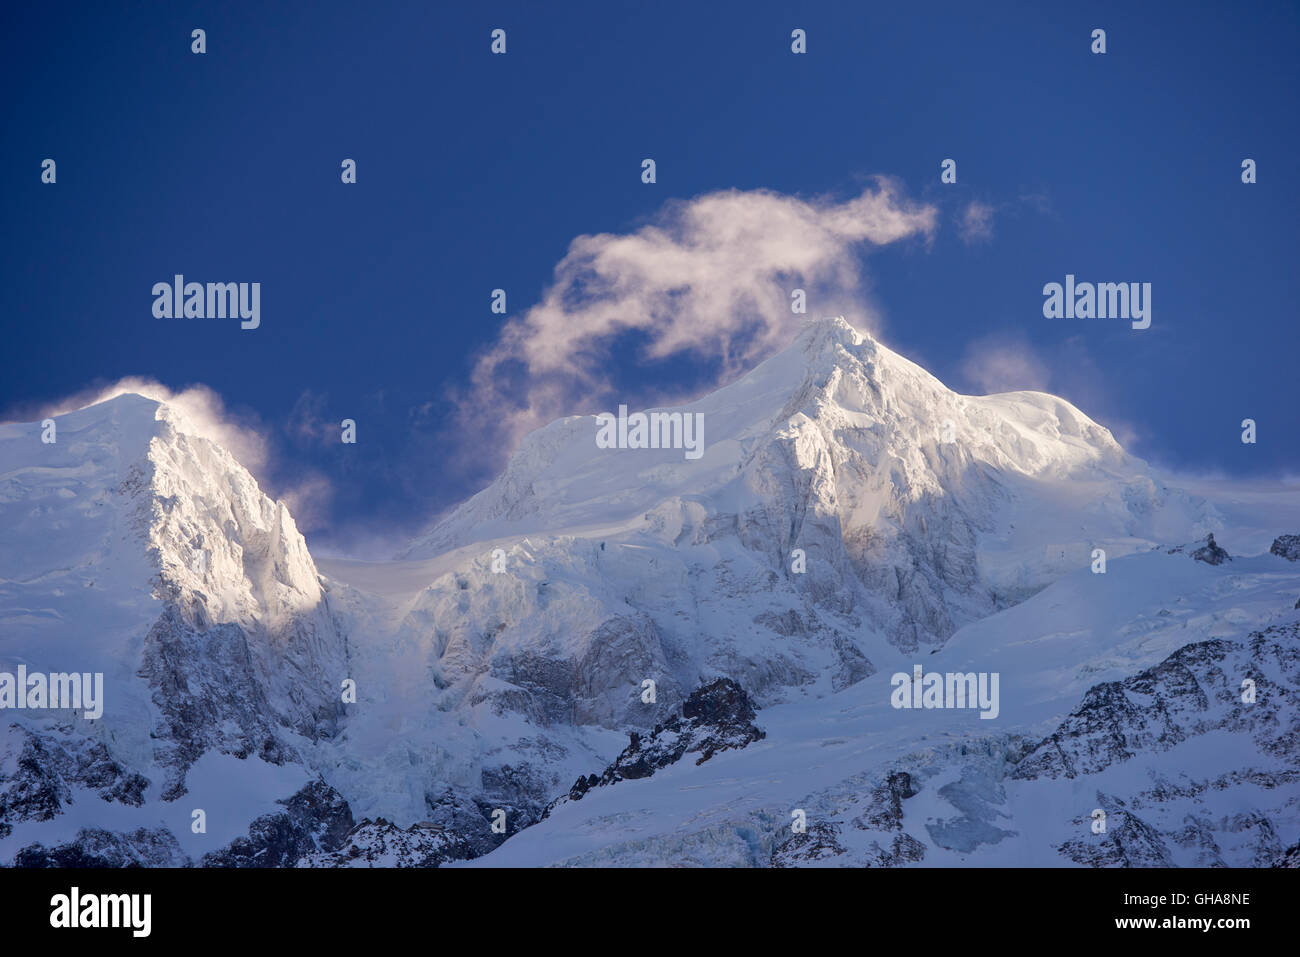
x: 136, y: 549
x: 849, y: 519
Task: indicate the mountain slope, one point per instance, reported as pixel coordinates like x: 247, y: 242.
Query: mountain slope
x: 583, y: 572
x: 1119, y: 692
x: 137, y: 549
x: 850, y: 518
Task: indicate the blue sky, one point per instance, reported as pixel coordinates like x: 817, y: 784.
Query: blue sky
x: 477, y: 172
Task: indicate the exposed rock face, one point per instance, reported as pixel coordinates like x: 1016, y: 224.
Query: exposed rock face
x: 456, y: 830
x: 1195, y: 690
x: 832, y: 524
x: 315, y: 829
x: 1209, y: 552
x: 1291, y: 858
x: 595, y: 686
x: 1201, y: 840
x: 827, y: 842
x: 885, y: 812
x: 381, y: 843
x: 716, y: 717
x: 1127, y: 842
x: 1287, y: 546
x: 39, y: 772
x: 905, y: 850
x: 314, y: 819
x: 246, y: 649
x: 96, y: 847
x: 194, y: 595
x: 1241, y: 697
x: 820, y: 842
x: 880, y: 479
x: 210, y: 696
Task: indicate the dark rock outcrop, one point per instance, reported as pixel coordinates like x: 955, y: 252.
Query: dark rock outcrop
x: 211, y: 691
x: 1195, y: 690
x: 1287, y: 546
x: 381, y: 843
x: 885, y: 812
x: 39, y: 772
x: 818, y: 843
x: 316, y: 818
x: 96, y: 847
x: 716, y: 717
x: 1291, y: 858
x: 457, y: 829
x: 1208, y: 551
x: 1128, y: 841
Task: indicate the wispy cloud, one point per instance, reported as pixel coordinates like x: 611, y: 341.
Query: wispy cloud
x: 1003, y: 363
x: 309, y: 500
x: 203, y: 411
x: 976, y: 223
x: 307, y: 423
x: 709, y: 278
x: 1007, y: 362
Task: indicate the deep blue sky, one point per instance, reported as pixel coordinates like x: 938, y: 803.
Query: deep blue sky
x: 476, y: 171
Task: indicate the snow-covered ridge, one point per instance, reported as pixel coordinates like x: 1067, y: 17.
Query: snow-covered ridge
x: 834, y: 391
x: 915, y: 510
x: 136, y: 548
x: 850, y: 515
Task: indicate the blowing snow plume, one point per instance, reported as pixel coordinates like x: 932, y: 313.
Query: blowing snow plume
x: 202, y: 412
x: 709, y: 278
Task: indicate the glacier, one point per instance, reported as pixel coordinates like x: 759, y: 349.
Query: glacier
x: 850, y: 518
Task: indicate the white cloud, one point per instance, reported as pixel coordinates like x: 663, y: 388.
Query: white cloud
x: 309, y: 501
x: 976, y: 223
x: 1004, y: 364
x: 709, y: 278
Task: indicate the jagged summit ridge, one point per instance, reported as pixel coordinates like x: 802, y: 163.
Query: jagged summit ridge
x: 521, y: 660
x: 897, y: 490
x: 833, y: 391
x: 164, y: 566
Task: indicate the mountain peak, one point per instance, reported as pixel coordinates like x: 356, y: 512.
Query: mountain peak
x: 134, y: 406
x: 833, y: 340
x: 836, y: 422
x: 836, y: 328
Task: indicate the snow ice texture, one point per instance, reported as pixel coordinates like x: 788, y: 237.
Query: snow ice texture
x: 956, y: 532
